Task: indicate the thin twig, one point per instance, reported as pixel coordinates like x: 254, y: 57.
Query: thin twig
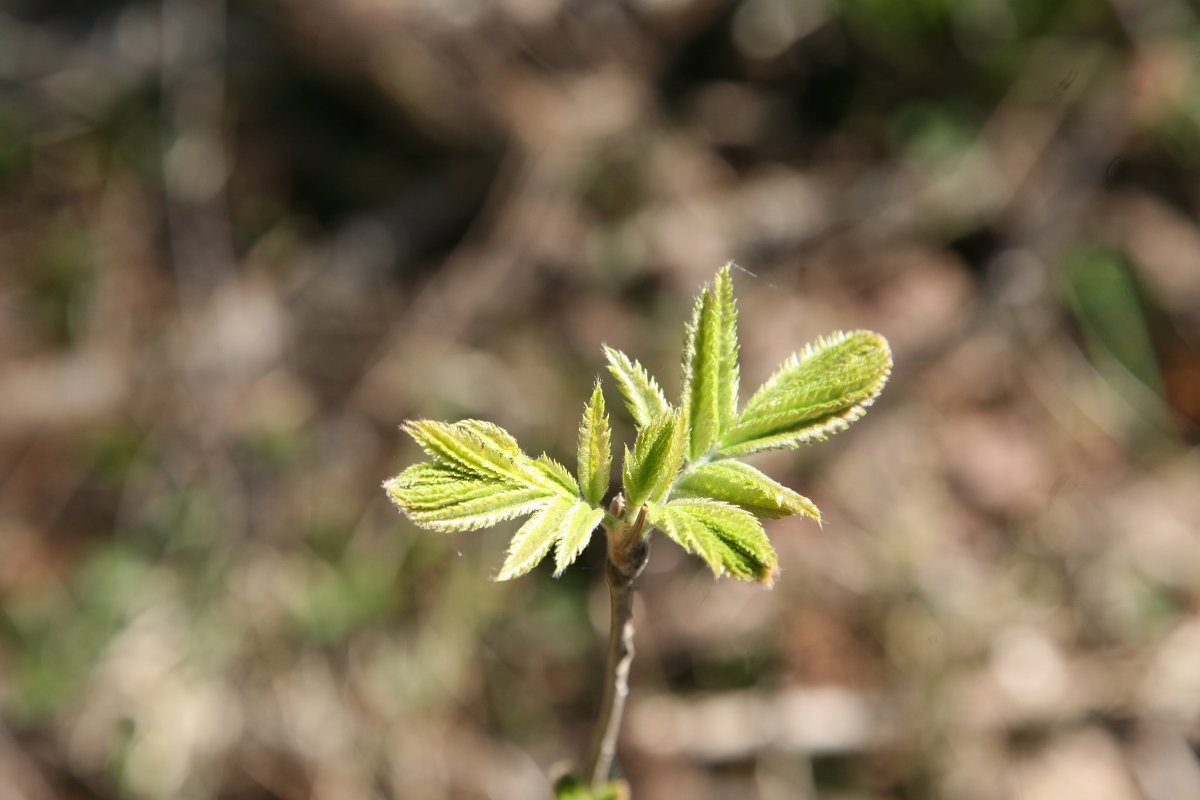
x: 625, y: 563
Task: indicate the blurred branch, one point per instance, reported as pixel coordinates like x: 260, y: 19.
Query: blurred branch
x: 21, y: 771
x: 195, y: 164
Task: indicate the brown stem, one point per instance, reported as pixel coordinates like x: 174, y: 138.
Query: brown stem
x: 628, y: 552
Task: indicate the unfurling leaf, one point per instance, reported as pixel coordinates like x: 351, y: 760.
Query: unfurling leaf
x: 559, y: 521
x: 575, y: 531
x: 534, y: 539
x: 743, y: 485
x: 710, y: 368
x: 439, y: 497
x: 595, y: 452
x: 478, y: 477
x: 816, y: 392
x: 656, y: 458
x: 557, y: 474
x: 473, y: 447
x: 643, y: 396
x: 730, y: 539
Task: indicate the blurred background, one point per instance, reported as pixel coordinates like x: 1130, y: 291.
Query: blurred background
x: 241, y: 241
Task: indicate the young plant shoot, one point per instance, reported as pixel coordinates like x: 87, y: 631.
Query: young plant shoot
x: 683, y: 476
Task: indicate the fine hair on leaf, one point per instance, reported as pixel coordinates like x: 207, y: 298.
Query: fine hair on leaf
x: 682, y: 476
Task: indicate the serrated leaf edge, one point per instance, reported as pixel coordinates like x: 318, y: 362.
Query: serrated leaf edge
x: 710, y: 365
x: 594, y: 451
x: 684, y: 521
x: 743, y: 480
x: 643, y: 396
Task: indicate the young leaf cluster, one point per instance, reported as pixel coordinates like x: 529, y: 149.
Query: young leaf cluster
x: 478, y: 476
x: 682, y: 476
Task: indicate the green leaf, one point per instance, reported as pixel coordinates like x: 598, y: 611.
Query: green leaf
x: 439, y: 497
x: 556, y: 475
x: 478, y: 477
x: 1105, y: 298
x: 729, y: 538
x: 710, y: 368
x: 643, y: 396
x: 475, y: 448
x: 534, y: 539
x: 484, y: 451
x: 569, y: 787
x: 816, y: 392
x: 656, y: 458
x: 569, y: 524
x: 575, y: 531
x: 744, y: 486
x: 595, y: 452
